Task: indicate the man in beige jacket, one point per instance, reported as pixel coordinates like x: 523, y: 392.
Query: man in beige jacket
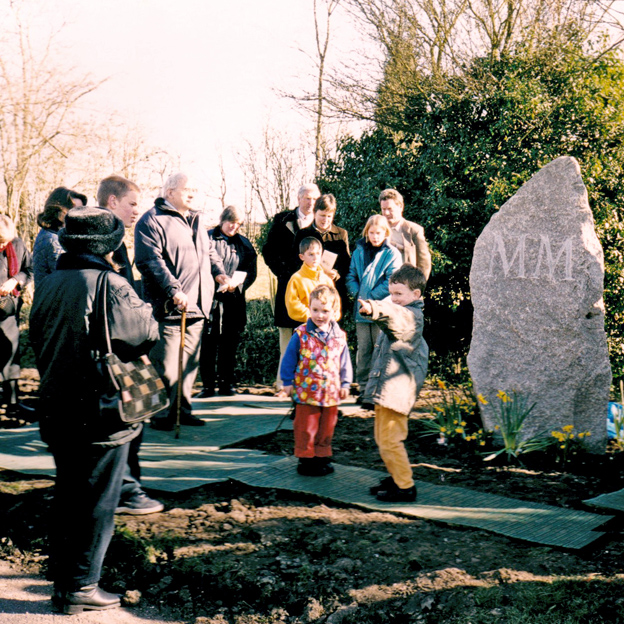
x: 407, y: 237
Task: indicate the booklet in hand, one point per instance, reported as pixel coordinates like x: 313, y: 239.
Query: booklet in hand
x: 328, y: 259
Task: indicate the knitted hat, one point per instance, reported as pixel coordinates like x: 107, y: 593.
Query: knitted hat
x: 91, y: 230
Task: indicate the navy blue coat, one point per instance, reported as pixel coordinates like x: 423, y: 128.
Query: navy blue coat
x: 174, y: 254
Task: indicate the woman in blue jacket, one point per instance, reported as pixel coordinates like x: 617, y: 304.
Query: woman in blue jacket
x: 373, y: 262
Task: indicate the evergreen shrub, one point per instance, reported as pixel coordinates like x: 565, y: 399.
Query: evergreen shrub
x: 258, y: 353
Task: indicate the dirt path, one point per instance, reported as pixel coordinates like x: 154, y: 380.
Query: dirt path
x: 227, y: 553
x: 25, y: 599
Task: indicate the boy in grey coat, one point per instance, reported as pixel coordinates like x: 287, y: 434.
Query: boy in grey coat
x: 398, y: 373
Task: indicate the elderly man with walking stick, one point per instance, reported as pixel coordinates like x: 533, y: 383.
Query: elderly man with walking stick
x: 179, y: 266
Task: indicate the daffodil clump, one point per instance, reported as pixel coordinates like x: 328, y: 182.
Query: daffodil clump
x: 454, y: 417
x: 618, y: 425
x: 510, y: 410
x: 568, y: 441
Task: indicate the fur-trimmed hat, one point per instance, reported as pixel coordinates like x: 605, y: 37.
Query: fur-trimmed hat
x: 91, y: 230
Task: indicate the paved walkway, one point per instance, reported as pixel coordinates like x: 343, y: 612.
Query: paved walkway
x: 216, y: 452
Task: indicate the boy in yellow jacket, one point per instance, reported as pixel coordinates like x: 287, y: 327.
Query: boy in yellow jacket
x: 306, y: 279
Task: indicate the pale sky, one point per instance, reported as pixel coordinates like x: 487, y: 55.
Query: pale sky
x: 199, y: 75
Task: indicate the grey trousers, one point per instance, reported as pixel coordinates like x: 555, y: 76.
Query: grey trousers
x: 366, y: 337
x: 165, y: 356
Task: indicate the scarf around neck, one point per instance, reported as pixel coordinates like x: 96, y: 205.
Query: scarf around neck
x: 12, y: 264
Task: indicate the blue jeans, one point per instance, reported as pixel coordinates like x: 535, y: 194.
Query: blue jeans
x: 131, y: 484
x: 88, y: 484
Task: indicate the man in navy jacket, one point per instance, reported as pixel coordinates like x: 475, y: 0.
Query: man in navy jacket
x: 179, y: 266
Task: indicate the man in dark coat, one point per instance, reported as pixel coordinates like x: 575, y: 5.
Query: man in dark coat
x: 121, y: 197
x: 178, y: 263
x: 282, y: 259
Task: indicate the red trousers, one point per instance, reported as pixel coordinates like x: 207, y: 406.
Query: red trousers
x: 314, y: 429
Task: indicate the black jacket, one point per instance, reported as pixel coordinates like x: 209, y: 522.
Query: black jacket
x: 122, y: 260
x: 282, y: 259
x: 59, y: 333
x: 237, y: 254
x: 173, y: 254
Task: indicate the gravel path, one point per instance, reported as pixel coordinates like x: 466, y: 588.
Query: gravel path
x: 25, y: 599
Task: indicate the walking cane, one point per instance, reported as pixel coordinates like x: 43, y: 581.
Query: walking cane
x: 289, y: 414
x: 180, y: 373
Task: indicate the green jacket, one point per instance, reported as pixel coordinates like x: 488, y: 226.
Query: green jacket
x: 401, y: 355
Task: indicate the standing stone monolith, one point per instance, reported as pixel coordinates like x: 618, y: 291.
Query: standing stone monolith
x: 536, y: 283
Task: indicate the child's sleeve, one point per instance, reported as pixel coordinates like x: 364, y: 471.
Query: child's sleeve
x: 397, y: 322
x: 353, y: 280
x: 290, y: 360
x: 295, y: 306
x: 346, y: 368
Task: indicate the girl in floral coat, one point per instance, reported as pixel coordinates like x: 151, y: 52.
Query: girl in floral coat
x: 316, y: 370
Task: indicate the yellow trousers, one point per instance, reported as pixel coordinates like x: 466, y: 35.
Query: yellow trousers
x: 390, y: 433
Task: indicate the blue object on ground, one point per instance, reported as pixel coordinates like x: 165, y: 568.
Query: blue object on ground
x: 615, y: 421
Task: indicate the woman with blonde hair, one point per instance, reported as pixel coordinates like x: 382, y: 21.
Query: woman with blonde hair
x: 373, y: 262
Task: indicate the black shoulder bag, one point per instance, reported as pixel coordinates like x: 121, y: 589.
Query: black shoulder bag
x: 132, y: 391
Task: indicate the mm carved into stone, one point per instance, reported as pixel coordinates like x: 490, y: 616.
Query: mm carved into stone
x: 547, y: 264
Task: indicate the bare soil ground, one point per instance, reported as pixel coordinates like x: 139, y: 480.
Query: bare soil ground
x: 230, y: 554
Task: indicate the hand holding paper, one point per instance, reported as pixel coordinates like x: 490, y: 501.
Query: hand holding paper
x: 237, y: 280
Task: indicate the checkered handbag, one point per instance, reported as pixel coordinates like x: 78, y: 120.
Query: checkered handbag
x: 133, y: 391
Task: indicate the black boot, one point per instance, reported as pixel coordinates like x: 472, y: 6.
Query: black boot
x: 324, y: 464
x: 384, y: 485
x: 314, y: 467
x: 59, y: 597
x: 398, y: 495
x: 14, y: 408
x: 90, y: 598
x: 206, y: 392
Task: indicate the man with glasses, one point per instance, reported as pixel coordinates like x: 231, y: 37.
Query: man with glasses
x: 178, y: 263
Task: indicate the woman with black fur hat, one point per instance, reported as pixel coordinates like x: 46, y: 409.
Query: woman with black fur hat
x: 90, y: 456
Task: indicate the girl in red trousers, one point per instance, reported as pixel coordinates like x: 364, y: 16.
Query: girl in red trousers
x: 316, y: 370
